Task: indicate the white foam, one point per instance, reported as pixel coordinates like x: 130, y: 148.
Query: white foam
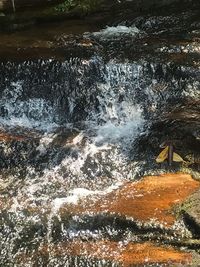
x: 15, y: 205
x: 78, y: 139
x: 97, y: 156
x: 192, y: 90
x: 114, y: 32
x: 112, y: 132
x: 45, y: 141
x: 29, y: 113
x: 76, y: 194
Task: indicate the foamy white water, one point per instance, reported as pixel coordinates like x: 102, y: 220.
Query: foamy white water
x: 114, y: 32
x: 85, y: 158
x: 96, y: 160
x: 77, y: 194
x: 20, y: 112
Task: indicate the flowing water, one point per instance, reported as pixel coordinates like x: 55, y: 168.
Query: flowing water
x: 83, y: 126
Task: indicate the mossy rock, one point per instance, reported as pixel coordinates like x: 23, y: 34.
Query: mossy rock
x: 190, y: 211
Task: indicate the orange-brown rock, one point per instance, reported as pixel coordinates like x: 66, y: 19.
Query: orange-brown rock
x: 17, y: 135
x: 132, y: 254
x: 7, y: 137
x: 153, y: 197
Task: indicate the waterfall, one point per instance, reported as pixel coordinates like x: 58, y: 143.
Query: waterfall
x: 77, y: 126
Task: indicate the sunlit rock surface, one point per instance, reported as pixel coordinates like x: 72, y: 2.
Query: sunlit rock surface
x: 135, y: 219
x: 152, y: 198
x: 7, y: 137
x: 110, y: 253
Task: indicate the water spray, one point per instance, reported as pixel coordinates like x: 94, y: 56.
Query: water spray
x: 13, y: 5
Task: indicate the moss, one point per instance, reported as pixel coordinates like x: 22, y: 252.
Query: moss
x: 68, y: 9
x: 180, y: 209
x: 84, y: 7
x: 66, y: 6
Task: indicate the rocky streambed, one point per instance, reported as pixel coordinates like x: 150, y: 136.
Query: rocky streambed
x: 84, y: 110
x: 142, y: 223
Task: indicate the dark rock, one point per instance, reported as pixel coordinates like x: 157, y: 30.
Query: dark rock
x: 16, y: 4
x: 191, y: 214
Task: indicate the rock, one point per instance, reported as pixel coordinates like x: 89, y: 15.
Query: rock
x: 7, y: 137
x: 7, y: 4
x: 62, y: 236
x: 118, y: 253
x: 131, y: 254
x: 190, y: 211
x: 17, y: 147
x: 152, y: 198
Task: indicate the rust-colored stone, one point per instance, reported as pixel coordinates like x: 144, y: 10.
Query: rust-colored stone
x: 18, y: 134
x: 147, y: 253
x: 126, y: 254
x: 7, y: 137
x: 153, y: 197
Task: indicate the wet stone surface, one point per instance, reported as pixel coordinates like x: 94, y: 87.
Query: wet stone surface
x: 105, y: 253
x: 95, y: 231
x: 150, y: 198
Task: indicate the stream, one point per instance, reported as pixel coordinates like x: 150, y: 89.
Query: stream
x: 81, y: 124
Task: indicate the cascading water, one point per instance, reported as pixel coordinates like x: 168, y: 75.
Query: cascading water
x: 98, y: 143
x: 77, y: 128
x: 82, y: 123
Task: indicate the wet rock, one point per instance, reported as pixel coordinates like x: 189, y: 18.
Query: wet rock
x: 152, y: 198
x: 190, y: 211
x: 118, y: 253
x: 131, y: 254
x: 135, y: 212
x: 16, y: 146
x: 180, y: 125
x: 166, y: 40
x: 7, y: 137
x: 101, y: 229
x: 6, y: 4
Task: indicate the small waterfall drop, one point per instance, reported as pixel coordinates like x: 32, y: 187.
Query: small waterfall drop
x: 75, y: 128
